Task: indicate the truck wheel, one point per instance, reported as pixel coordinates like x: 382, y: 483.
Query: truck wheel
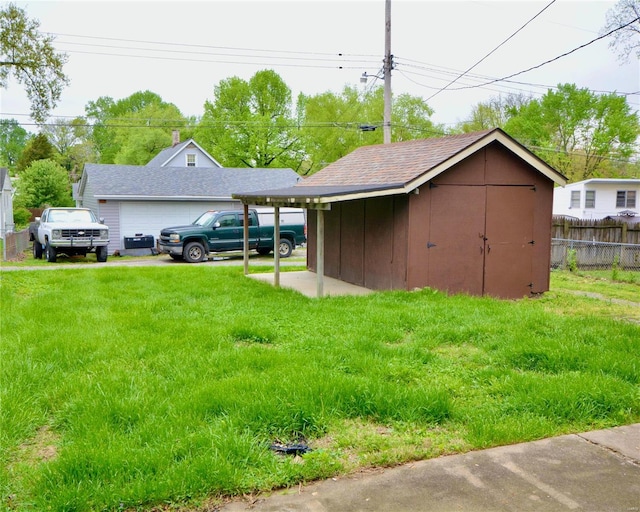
x: 51, y: 253
x: 194, y: 252
x: 37, y: 250
x: 285, y: 247
x: 101, y: 253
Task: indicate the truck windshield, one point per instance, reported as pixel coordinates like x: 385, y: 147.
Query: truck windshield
x: 72, y: 216
x: 205, y: 219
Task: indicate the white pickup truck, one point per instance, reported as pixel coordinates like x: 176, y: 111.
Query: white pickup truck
x: 70, y: 231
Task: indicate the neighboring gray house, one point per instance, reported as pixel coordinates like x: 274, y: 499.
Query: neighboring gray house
x: 134, y: 199
x: 183, y: 154
x: 6, y: 203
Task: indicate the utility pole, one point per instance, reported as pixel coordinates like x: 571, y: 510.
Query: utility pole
x: 387, y: 66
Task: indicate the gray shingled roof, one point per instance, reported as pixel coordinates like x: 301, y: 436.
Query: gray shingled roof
x: 135, y: 181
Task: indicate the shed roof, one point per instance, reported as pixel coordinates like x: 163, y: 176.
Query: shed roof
x: 110, y: 181
x: 390, y: 169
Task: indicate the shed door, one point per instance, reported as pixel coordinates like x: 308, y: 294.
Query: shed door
x: 509, y: 251
x: 456, y: 245
x: 480, y: 240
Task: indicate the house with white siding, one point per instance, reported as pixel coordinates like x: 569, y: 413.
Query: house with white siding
x: 140, y: 200
x: 598, y: 198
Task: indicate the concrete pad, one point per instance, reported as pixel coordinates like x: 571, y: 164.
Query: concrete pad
x: 305, y: 282
x: 564, y: 473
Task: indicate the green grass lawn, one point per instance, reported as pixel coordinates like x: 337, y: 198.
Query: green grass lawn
x: 134, y: 388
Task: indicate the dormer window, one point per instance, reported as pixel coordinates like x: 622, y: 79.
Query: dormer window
x: 191, y: 160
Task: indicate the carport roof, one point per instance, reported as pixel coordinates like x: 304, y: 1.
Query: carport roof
x: 391, y: 169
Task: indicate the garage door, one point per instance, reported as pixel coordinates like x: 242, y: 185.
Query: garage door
x: 149, y: 218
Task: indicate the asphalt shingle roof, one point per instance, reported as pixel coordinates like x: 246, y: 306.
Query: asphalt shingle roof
x: 399, y: 162
x: 387, y: 169
x: 170, y: 182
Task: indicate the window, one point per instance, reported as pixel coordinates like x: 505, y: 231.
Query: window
x: 575, y: 199
x: 228, y: 221
x: 191, y: 160
x: 590, y: 199
x: 626, y: 199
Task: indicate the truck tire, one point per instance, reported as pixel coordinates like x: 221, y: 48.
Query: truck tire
x: 101, y: 253
x: 37, y: 250
x: 285, y: 247
x: 194, y: 252
x: 51, y: 253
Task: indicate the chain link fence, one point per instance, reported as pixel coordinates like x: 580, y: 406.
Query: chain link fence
x: 586, y: 255
x: 14, y: 245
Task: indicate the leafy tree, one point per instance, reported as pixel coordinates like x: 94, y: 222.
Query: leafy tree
x: 333, y: 125
x: 37, y: 148
x: 329, y: 127
x: 13, y: 139
x: 249, y: 124
x: 410, y: 119
x: 626, y: 40
x: 73, y: 143
x: 494, y: 113
x: 120, y: 125
x: 577, y: 131
x: 30, y: 58
x: 44, y: 183
x: 142, y: 146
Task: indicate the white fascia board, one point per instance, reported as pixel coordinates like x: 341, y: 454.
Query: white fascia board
x: 516, y: 148
x: 184, y: 145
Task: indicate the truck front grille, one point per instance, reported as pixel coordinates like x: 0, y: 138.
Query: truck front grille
x: 81, y: 234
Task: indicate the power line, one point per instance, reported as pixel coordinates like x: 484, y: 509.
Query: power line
x: 552, y: 60
x: 232, y: 48
x: 492, y: 51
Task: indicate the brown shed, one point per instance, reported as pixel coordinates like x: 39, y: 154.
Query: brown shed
x: 464, y: 214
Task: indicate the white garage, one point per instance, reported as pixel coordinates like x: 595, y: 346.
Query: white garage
x: 135, y: 199
x: 150, y: 217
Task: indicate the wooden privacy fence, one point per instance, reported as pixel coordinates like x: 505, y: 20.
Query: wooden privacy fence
x: 610, y: 231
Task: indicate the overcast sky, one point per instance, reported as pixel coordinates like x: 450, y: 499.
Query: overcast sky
x: 181, y: 49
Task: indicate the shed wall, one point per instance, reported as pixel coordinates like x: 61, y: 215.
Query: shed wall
x: 365, y: 242
x: 481, y: 227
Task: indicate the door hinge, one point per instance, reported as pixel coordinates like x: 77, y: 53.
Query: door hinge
x: 533, y: 188
x: 532, y: 242
x: 430, y: 245
x: 432, y: 184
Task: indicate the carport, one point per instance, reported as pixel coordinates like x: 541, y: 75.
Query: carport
x: 317, y: 199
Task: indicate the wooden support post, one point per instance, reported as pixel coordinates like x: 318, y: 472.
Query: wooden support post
x: 276, y: 246
x: 320, y: 254
x: 245, y: 234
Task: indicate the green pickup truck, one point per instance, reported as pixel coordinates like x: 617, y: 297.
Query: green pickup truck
x: 222, y: 231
